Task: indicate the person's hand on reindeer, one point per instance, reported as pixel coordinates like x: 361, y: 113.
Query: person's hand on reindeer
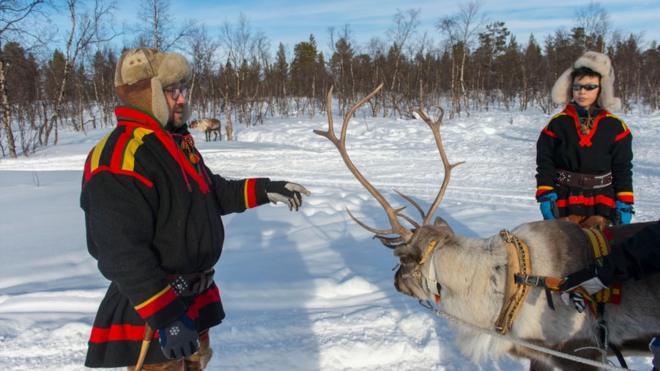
x: 287, y: 193
x: 578, y: 287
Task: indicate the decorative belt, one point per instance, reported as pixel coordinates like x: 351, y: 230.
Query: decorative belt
x: 584, y: 181
x: 191, y: 284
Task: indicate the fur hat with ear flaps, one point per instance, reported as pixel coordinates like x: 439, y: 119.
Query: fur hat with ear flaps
x: 141, y: 75
x: 598, y: 62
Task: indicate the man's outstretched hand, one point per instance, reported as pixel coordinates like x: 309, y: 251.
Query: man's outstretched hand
x: 286, y: 192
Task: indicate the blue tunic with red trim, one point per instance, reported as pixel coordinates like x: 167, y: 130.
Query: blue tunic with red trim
x: 153, y: 209
x: 607, y: 147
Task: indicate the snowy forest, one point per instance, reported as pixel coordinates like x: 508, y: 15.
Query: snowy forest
x: 470, y: 63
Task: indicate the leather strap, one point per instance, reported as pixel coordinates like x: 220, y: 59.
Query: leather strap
x: 584, y: 181
x: 519, y: 263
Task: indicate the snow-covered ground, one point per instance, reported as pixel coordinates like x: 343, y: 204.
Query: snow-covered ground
x: 303, y: 291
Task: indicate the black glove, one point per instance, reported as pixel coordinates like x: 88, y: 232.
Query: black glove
x: 286, y: 192
x: 180, y: 339
x: 578, y: 286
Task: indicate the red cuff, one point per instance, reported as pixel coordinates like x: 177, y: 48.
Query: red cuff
x: 627, y: 197
x: 155, y: 303
x: 250, y: 193
x: 540, y: 190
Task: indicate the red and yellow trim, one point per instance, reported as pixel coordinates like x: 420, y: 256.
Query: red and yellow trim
x: 96, y: 152
x: 155, y: 303
x: 123, y: 157
x: 627, y: 197
x: 133, y: 174
x: 127, y: 332
x: 250, y: 194
x: 128, y: 157
x: 120, y: 146
x: 626, y: 130
x: 543, y: 189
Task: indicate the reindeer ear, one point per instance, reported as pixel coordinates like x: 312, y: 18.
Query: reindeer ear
x: 442, y: 224
x: 424, y: 236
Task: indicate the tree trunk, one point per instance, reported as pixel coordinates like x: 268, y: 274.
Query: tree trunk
x: 525, y: 90
x: 190, y: 92
x: 229, y: 126
x: 11, y: 145
x: 463, y: 90
x: 54, y: 120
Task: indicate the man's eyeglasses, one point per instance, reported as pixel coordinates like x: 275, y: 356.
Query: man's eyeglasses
x: 176, y: 92
x: 587, y: 87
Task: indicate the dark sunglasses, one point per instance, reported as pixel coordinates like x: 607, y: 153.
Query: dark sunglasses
x: 176, y: 92
x: 587, y: 87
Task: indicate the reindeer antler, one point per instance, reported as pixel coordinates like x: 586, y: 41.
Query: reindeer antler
x: 404, y: 234
x: 435, y: 128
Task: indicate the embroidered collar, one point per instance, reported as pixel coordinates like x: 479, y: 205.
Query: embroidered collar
x: 127, y: 115
x: 585, y: 139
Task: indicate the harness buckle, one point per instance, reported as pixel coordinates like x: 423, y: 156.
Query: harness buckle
x: 529, y: 280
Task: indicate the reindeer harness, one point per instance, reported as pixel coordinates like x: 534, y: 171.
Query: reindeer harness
x: 599, y: 243
x: 518, y: 263
x: 431, y: 283
x: 519, y: 279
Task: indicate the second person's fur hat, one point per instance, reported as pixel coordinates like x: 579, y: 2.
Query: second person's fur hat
x: 598, y: 62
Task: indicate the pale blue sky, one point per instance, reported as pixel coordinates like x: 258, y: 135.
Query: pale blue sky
x: 291, y: 21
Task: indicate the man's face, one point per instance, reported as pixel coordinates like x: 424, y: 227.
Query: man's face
x: 175, y: 96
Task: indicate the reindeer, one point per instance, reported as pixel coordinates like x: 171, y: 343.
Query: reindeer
x: 208, y: 126
x: 472, y: 279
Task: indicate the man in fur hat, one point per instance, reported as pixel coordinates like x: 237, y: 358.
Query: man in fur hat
x: 584, y: 155
x: 152, y: 213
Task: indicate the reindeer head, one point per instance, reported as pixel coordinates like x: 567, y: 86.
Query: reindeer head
x: 413, y: 256
x: 412, y: 245
x: 193, y: 124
